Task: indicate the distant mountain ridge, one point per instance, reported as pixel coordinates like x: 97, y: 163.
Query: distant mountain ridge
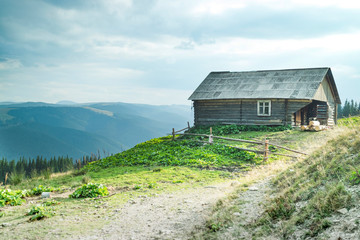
x: 35, y: 128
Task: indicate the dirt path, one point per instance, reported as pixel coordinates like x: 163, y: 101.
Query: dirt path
x: 166, y: 216
x: 251, y: 208
x: 176, y: 215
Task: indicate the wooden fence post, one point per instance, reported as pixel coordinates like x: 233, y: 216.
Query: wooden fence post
x: 6, y: 177
x: 173, y: 134
x: 188, y: 125
x: 266, y: 152
x: 210, y: 136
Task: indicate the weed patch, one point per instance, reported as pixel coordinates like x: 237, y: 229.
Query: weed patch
x: 12, y: 198
x: 40, y: 212
x: 90, y: 190
x: 164, y: 152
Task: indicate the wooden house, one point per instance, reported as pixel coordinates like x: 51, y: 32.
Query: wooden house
x: 274, y: 97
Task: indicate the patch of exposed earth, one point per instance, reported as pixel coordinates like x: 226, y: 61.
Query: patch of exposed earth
x: 165, y: 216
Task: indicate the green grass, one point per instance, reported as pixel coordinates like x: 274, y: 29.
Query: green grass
x: 82, y: 216
x: 156, y: 166
x: 304, y: 193
x: 183, y: 152
x: 321, y: 181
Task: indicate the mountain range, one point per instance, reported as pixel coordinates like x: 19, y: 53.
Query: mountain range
x: 69, y: 129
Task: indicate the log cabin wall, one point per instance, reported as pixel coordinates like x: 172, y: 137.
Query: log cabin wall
x: 231, y: 97
x: 244, y: 112
x: 325, y: 93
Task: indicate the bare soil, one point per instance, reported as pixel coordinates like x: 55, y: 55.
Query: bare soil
x: 166, y: 216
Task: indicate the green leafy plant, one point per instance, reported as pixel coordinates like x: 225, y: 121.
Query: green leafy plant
x: 164, y: 152
x: 152, y: 185
x: 355, y: 177
x: 40, y: 189
x: 51, y: 202
x: 12, y: 198
x: 90, y: 190
x: 40, y: 212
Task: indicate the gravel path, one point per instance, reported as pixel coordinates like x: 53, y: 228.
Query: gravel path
x: 166, y: 216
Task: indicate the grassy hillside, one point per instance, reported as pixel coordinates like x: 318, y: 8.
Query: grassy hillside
x: 319, y: 183
x: 306, y: 197
x: 156, y: 166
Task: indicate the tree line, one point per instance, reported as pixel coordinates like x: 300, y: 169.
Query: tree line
x: 33, y: 167
x: 349, y: 108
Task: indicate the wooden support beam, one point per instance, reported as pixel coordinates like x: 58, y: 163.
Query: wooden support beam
x: 266, y: 151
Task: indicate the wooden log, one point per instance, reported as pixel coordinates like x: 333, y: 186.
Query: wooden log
x: 194, y: 134
x: 266, y: 152
x: 291, y: 150
x: 181, y: 130
x: 286, y: 155
x: 304, y: 128
x: 246, y: 149
x: 314, y: 123
x: 239, y: 140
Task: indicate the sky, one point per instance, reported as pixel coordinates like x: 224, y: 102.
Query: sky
x: 159, y: 51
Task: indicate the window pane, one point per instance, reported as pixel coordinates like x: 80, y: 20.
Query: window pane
x: 261, y: 110
x: 267, y: 110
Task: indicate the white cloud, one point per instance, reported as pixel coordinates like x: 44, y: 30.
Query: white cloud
x: 8, y: 63
x: 347, y: 4
x: 120, y: 50
x: 216, y: 7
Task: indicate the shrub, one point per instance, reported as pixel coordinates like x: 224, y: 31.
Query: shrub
x: 80, y: 172
x: 16, y: 178
x: 86, y: 179
x: 46, y: 173
x: 329, y: 200
x: 281, y: 208
x: 90, y: 190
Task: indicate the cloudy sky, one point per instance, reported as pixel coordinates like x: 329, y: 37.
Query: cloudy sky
x: 158, y: 51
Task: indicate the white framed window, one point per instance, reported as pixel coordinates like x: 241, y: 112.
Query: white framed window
x: 264, y: 108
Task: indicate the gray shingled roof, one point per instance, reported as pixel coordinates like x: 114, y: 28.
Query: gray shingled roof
x: 286, y: 84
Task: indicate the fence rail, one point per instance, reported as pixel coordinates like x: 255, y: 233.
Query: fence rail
x: 266, y: 143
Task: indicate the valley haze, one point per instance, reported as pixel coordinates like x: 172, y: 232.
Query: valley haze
x: 31, y: 129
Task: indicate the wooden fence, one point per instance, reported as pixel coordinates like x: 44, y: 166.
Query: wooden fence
x: 266, y: 152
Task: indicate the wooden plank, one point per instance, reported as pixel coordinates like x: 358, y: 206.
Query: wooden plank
x: 286, y: 155
x: 246, y: 149
x: 295, y: 151
x: 238, y: 140
x: 181, y: 130
x: 194, y: 134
